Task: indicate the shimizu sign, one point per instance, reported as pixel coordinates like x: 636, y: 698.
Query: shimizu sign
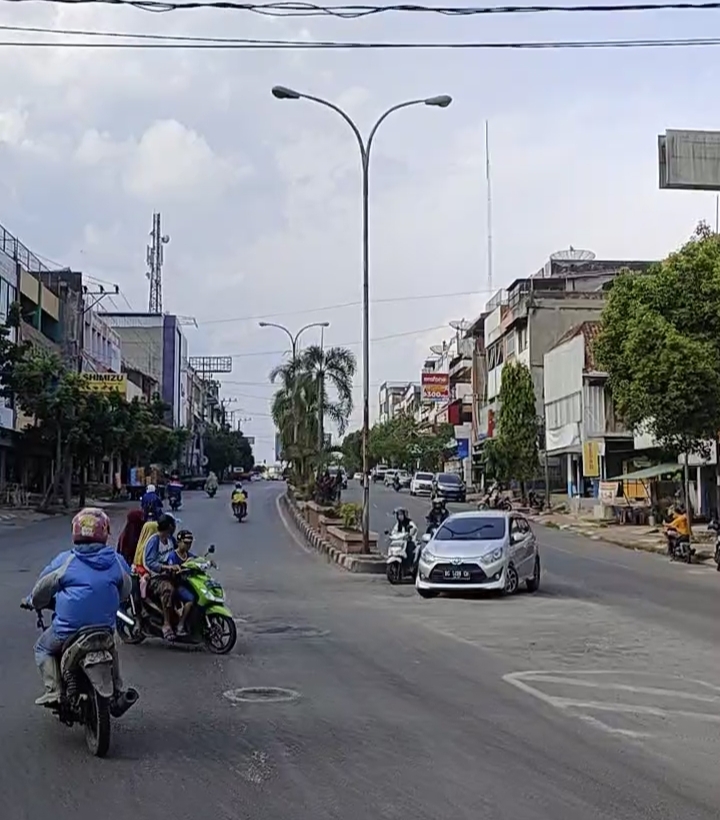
x: 105, y: 382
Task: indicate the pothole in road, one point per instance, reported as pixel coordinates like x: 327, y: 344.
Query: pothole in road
x: 293, y: 630
x: 261, y: 694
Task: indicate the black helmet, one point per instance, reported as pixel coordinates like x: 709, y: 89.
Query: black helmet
x: 438, y: 502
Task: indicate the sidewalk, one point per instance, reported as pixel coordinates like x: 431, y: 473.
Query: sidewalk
x: 16, y: 518
x: 647, y: 539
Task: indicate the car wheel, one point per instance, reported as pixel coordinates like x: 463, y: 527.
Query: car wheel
x: 427, y: 593
x: 533, y: 584
x: 512, y: 580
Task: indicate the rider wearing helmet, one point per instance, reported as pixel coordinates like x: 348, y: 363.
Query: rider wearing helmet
x: 239, y: 495
x: 86, y: 584
x: 438, y: 513
x: 404, y: 524
x: 151, y: 503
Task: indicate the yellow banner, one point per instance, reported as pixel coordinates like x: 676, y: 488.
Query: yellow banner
x: 106, y: 382
x: 591, y: 459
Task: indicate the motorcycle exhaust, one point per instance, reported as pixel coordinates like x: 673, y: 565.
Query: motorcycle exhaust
x: 120, y: 705
x: 125, y: 618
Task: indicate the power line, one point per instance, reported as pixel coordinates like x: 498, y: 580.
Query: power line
x: 344, y: 305
x: 351, y: 12
x: 303, y: 45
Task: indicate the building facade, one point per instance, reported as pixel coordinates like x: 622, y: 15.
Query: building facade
x: 390, y: 397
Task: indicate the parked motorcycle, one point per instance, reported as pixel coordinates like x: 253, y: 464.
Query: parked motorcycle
x: 210, y: 622
x: 87, y: 695
x: 679, y: 547
x: 402, y: 558
x: 495, y: 501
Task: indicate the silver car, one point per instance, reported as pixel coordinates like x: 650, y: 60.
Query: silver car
x: 486, y: 550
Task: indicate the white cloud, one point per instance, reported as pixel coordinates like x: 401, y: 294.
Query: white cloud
x: 262, y: 197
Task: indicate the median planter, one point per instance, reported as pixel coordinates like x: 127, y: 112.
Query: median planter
x: 350, y: 541
x: 313, y: 511
x: 328, y: 521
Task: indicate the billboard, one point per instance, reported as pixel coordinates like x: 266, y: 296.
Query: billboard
x: 105, y: 382
x: 434, y: 386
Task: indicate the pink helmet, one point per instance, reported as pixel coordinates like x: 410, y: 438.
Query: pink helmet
x: 90, y: 526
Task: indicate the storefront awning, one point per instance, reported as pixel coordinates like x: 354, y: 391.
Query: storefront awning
x: 649, y: 472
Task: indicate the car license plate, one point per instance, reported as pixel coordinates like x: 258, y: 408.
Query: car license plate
x: 456, y: 574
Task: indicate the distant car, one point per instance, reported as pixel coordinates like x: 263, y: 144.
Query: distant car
x: 405, y: 478
x: 334, y: 471
x: 378, y: 473
x: 421, y: 484
x: 487, y: 550
x: 449, y: 486
x: 358, y: 477
x: 389, y: 477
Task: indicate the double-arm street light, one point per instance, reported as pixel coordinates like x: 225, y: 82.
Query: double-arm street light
x: 294, y: 349
x: 442, y: 101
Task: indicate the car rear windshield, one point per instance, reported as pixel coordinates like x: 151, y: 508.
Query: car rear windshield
x: 423, y: 476
x: 448, y: 478
x: 474, y: 528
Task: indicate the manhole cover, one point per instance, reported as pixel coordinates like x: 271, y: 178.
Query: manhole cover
x: 261, y: 694
x: 289, y: 629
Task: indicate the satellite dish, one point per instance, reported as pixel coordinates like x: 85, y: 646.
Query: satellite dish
x: 572, y: 255
x: 438, y: 350
x: 461, y: 326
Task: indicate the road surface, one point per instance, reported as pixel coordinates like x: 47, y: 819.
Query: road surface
x: 597, y: 699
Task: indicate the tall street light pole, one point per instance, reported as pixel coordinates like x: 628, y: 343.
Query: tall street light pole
x: 442, y: 101
x: 293, y: 347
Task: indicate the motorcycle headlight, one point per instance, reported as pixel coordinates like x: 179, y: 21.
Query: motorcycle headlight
x: 492, y: 557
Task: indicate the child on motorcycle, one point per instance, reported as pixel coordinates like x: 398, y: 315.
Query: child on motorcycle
x: 177, y: 558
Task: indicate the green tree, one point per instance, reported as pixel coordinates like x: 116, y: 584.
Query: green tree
x: 227, y: 448
x: 660, y: 344
x: 514, y: 452
x: 317, y: 385
x: 352, y: 452
x: 403, y: 442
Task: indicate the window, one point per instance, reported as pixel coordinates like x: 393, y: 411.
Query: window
x: 472, y: 528
x: 522, y: 339
x: 510, y: 344
x: 448, y: 478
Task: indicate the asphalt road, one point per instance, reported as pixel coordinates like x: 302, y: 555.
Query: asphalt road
x: 597, y: 699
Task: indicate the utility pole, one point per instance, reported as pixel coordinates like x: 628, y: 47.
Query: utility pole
x: 155, y: 259
x: 97, y: 296
x: 205, y: 367
x: 321, y: 390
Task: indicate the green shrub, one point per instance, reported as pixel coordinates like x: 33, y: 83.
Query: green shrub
x: 351, y: 515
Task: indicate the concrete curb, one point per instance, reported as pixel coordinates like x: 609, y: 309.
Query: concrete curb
x: 700, y: 555
x: 370, y: 565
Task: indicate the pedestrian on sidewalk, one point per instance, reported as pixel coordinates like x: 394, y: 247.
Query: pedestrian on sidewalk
x: 129, y: 537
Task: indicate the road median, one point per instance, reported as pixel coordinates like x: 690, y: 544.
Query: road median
x: 367, y: 564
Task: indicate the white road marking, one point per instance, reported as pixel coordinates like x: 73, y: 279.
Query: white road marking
x: 522, y: 681
x: 598, y: 724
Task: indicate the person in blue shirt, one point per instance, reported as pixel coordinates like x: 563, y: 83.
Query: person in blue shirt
x: 177, y: 558
x: 155, y: 560
x: 151, y: 503
x: 85, y: 586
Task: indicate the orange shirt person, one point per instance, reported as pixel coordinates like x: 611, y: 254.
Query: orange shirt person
x: 680, y: 523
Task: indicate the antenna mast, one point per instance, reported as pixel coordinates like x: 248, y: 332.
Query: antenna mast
x: 155, y: 259
x: 489, y: 209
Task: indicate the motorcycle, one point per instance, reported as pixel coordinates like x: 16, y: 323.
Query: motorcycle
x: 210, y: 622
x: 679, y: 548
x: 239, y: 509
x: 211, y: 491
x: 400, y: 566
x: 396, y: 484
x: 175, y: 502
x: 495, y: 501
x: 87, y: 694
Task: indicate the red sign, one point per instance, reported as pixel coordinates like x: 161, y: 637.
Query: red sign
x: 435, y: 386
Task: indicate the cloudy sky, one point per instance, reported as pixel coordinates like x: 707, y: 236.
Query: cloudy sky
x: 261, y: 198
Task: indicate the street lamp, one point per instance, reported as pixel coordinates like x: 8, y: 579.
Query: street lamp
x: 293, y: 343
x: 440, y: 101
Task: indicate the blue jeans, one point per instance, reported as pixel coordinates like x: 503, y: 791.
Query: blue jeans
x: 48, y: 645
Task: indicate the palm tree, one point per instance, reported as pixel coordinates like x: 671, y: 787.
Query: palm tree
x: 303, y: 401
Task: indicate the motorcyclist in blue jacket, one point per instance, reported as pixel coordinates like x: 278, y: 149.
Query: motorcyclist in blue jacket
x: 86, y: 585
x: 151, y: 503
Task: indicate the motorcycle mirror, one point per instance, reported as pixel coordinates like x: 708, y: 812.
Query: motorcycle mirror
x: 426, y: 538
x: 387, y: 532
x: 211, y: 549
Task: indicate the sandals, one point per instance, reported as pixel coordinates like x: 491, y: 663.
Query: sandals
x: 168, y: 634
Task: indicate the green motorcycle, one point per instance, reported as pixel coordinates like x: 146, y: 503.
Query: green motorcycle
x: 210, y: 622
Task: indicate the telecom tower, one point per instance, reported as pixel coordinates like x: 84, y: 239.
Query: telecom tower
x: 155, y: 258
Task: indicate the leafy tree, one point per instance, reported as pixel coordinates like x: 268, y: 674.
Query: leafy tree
x: 514, y: 452
x: 403, y: 442
x: 318, y: 383
x: 226, y: 448
x: 660, y: 344
x: 352, y: 452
